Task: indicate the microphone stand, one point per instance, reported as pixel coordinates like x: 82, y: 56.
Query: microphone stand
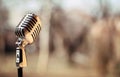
x: 20, y: 56
x: 20, y: 72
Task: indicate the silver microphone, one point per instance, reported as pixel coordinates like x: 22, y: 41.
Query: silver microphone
x: 26, y: 31
x: 29, y: 28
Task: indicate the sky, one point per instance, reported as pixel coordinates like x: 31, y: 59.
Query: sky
x: 18, y: 8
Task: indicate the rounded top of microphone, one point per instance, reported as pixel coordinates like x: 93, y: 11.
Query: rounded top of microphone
x: 28, y: 28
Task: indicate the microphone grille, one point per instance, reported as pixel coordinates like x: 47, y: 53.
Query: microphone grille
x: 29, y: 27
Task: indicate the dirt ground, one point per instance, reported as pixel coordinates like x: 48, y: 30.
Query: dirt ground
x: 55, y: 68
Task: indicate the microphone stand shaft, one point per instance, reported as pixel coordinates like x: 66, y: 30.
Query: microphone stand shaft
x: 20, y: 72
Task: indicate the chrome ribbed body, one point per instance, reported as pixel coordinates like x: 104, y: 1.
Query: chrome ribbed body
x: 29, y: 28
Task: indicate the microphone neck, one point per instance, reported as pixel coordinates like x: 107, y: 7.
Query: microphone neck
x: 21, y: 42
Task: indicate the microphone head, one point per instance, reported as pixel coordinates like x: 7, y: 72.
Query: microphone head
x: 29, y: 28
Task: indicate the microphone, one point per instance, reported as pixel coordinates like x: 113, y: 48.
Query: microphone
x: 27, y: 31
x: 29, y: 28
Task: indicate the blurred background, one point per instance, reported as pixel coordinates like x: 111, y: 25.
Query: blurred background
x: 79, y: 38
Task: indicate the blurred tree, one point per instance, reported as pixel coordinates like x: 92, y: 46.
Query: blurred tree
x: 103, y: 36
x: 7, y: 36
x: 3, y: 23
x: 44, y: 36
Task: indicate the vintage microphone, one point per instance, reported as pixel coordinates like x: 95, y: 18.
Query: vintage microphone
x: 26, y: 31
